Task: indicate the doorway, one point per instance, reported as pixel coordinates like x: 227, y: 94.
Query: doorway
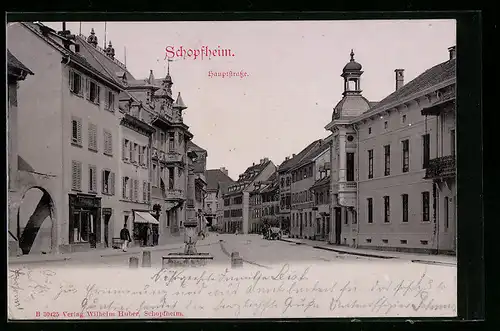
x: 338, y: 225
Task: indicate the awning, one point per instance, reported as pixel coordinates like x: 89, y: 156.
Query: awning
x: 143, y: 217
x: 170, y: 205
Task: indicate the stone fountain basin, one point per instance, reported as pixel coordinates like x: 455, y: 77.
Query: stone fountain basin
x: 182, y: 259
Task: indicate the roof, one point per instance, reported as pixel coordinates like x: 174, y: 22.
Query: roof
x: 314, y: 152
x: 435, y: 75
x: 223, y: 186
x: 216, y: 176
x: 320, y: 182
x: 191, y: 145
x: 14, y: 63
x: 288, y: 164
x: 254, y: 169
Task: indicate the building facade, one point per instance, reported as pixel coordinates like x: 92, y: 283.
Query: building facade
x: 381, y: 198
x: 237, y: 198
x: 16, y: 72
x: 214, y: 177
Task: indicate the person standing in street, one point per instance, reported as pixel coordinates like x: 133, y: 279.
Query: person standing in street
x: 125, y: 237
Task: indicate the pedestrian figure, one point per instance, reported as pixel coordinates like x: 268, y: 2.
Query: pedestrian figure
x: 125, y: 237
x: 149, y: 236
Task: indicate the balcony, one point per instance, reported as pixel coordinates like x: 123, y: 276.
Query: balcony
x: 441, y: 168
x: 174, y: 194
x: 173, y: 157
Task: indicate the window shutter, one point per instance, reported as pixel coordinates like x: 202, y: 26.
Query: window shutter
x: 111, y: 184
x: 149, y: 192
x: 136, y: 190
x: 112, y: 101
x: 94, y: 179
x: 71, y: 80
x: 131, y: 151
x: 103, y: 182
x: 106, y: 100
x: 79, y: 131
x: 124, y: 149
x: 98, y: 97
x: 91, y: 136
x: 144, y: 191
x: 74, y: 175
x: 110, y: 143
x: 87, y: 88
x: 131, y: 191
x: 124, y: 188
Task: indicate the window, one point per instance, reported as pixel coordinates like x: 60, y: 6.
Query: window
x: 452, y: 142
x: 141, y: 155
x: 108, y: 143
x: 406, y: 155
x: 76, y: 175
x: 92, y: 137
x: 135, y: 153
x: 385, y: 125
x: 131, y: 189
x: 125, y: 149
x: 131, y: 152
x: 346, y: 216
x: 446, y: 213
x: 403, y: 119
x: 426, y: 150
x: 387, y: 210
x: 310, y: 219
x: 404, y: 201
x: 76, y: 131
x: 370, y: 163
x: 155, y: 175
x: 92, y: 179
x: 75, y: 83
x: 93, y: 91
x: 369, y: 130
x: 108, y: 182
x: 171, y: 141
x: 387, y: 160
x: 425, y: 207
x: 171, y: 178
x: 350, y: 166
x: 109, y: 101
x: 125, y: 183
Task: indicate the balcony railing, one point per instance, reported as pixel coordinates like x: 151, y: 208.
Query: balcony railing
x: 441, y: 167
x: 174, y: 194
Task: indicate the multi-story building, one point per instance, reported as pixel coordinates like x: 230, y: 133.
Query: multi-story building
x: 222, y: 189
x: 265, y: 209
x: 237, y: 198
x: 285, y: 180
x: 200, y: 183
x: 135, y: 137
x: 214, y: 177
x: 151, y: 100
x: 380, y: 153
x: 303, y: 178
x: 77, y: 139
x: 321, y: 193
x: 16, y: 72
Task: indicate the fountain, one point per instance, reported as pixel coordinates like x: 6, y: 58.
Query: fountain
x: 190, y: 256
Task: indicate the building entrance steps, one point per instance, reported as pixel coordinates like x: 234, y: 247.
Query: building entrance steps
x: 99, y: 253
x: 414, y: 257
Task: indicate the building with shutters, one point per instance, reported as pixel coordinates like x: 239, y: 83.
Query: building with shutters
x: 386, y: 191
x: 69, y: 134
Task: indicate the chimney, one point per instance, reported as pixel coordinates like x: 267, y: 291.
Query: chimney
x: 261, y: 161
x: 266, y: 159
x: 400, y: 78
x: 453, y: 52
x: 224, y: 170
x: 253, y: 163
x: 287, y: 158
x: 293, y: 155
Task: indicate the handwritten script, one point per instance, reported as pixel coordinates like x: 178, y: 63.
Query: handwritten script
x: 283, y: 291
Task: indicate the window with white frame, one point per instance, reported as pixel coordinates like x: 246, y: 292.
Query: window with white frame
x: 76, y: 131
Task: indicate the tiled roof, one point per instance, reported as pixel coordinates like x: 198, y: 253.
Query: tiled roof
x: 257, y: 169
x: 191, y: 145
x: 435, y: 75
x: 319, y: 148
x: 223, y: 186
x: 321, y: 182
x: 216, y: 176
x: 13, y: 62
x: 294, y: 160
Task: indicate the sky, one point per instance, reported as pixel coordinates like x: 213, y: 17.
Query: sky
x: 293, y: 74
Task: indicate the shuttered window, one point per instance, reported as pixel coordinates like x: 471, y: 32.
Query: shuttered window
x: 141, y: 155
x: 125, y: 152
x: 108, y: 142
x: 76, y: 131
x: 131, y: 189
x: 92, y: 179
x: 149, y: 192
x: 92, y: 137
x: 75, y: 83
x: 109, y: 100
x: 144, y: 191
x: 76, y: 175
x: 124, y: 187
x: 112, y: 183
x: 136, y: 190
x: 131, y: 152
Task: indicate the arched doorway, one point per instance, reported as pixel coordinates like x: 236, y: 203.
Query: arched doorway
x: 35, y: 221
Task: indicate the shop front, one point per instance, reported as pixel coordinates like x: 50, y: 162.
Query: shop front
x: 84, y: 222
x: 146, y: 231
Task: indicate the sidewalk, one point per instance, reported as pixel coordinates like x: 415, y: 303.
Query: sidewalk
x: 99, y: 253
x: 413, y: 257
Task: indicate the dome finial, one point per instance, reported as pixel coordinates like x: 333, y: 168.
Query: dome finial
x: 352, y: 54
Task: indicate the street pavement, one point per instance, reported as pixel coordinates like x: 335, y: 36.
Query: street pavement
x: 253, y: 249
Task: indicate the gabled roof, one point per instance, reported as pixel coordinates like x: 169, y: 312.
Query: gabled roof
x: 14, y: 63
x: 435, y: 75
x: 216, y: 176
x: 319, y: 148
x: 254, y: 169
x: 191, y: 145
x: 290, y: 163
